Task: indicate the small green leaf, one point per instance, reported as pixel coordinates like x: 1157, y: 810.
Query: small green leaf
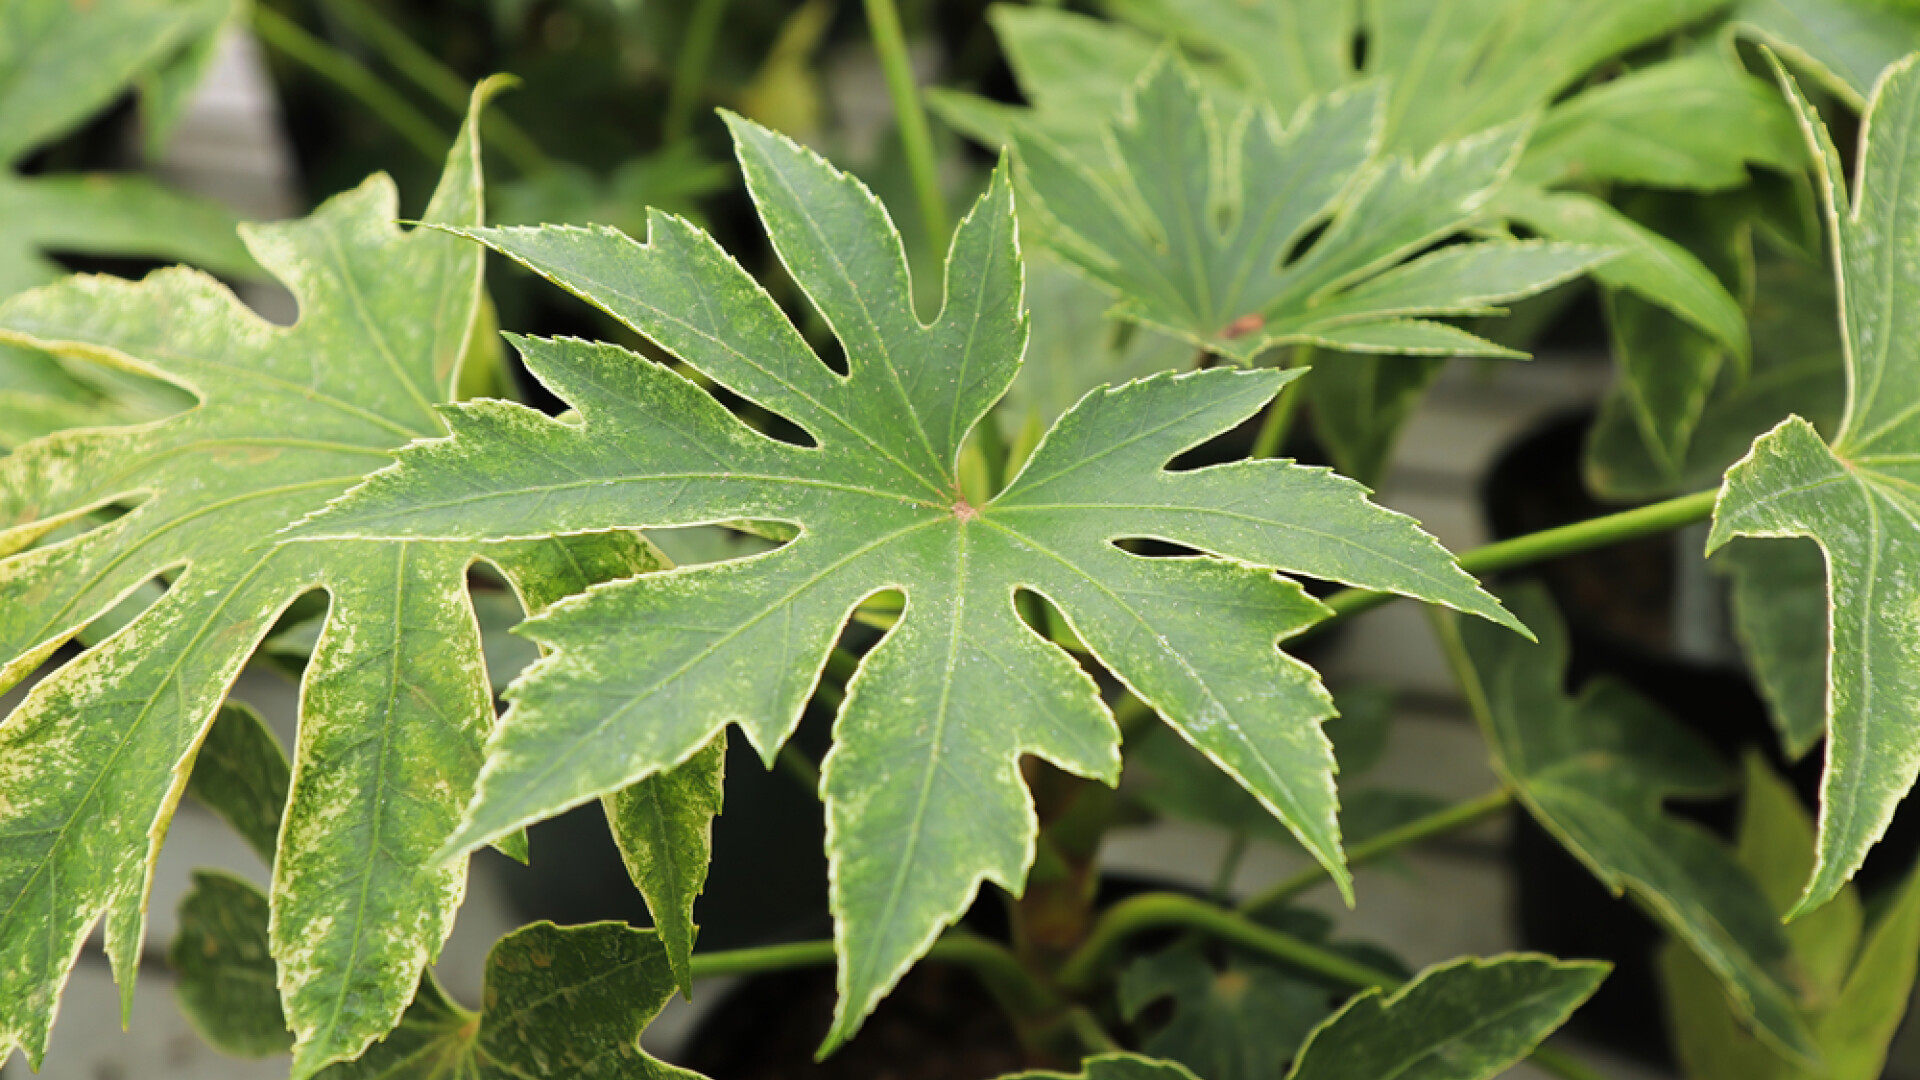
x: 559, y: 1002
x: 226, y: 978
x: 664, y: 828
x: 1856, y: 496
x: 1594, y: 770
x: 924, y: 798
x: 1116, y: 1067
x: 1465, y: 1020
x: 1145, y: 220
x: 241, y: 774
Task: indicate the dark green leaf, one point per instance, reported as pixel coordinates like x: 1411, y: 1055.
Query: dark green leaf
x: 924, y: 799
x: 241, y: 774
x: 225, y: 969
x: 1594, y: 770
x: 1465, y: 1020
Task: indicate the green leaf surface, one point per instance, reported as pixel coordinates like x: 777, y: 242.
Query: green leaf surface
x: 924, y: 798
x: 1692, y: 123
x: 1796, y: 368
x: 105, y: 214
x: 1856, y: 496
x: 560, y: 1002
x: 663, y: 826
x: 1147, y: 222
x: 1593, y: 770
x: 241, y: 774
x: 1845, y: 44
x: 395, y: 705
x: 62, y: 61
x: 224, y: 968
x: 1116, y: 1067
x: 1465, y: 1020
x: 1779, y: 601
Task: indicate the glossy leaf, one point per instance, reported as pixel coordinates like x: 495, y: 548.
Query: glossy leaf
x: 1855, y: 496
x: 222, y: 961
x: 1593, y: 770
x: 924, y: 798
x: 395, y: 705
x: 1466, y: 1020
x: 1147, y: 223
x: 559, y: 1001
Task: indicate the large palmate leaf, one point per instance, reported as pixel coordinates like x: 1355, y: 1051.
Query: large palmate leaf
x: 1593, y: 770
x: 1148, y: 222
x: 923, y: 793
x: 1858, y: 496
x: 395, y: 704
x: 1854, y: 992
x: 1465, y: 1020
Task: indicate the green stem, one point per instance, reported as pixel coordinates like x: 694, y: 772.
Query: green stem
x: 883, y: 19
x: 286, y: 37
x: 1088, y: 1030
x: 1440, y: 822
x: 1230, y: 866
x: 1155, y: 911
x: 1571, y: 539
x: 437, y: 79
x: 690, y: 69
x: 799, y: 767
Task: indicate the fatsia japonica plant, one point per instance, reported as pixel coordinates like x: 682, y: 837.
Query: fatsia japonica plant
x: 1062, y: 567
